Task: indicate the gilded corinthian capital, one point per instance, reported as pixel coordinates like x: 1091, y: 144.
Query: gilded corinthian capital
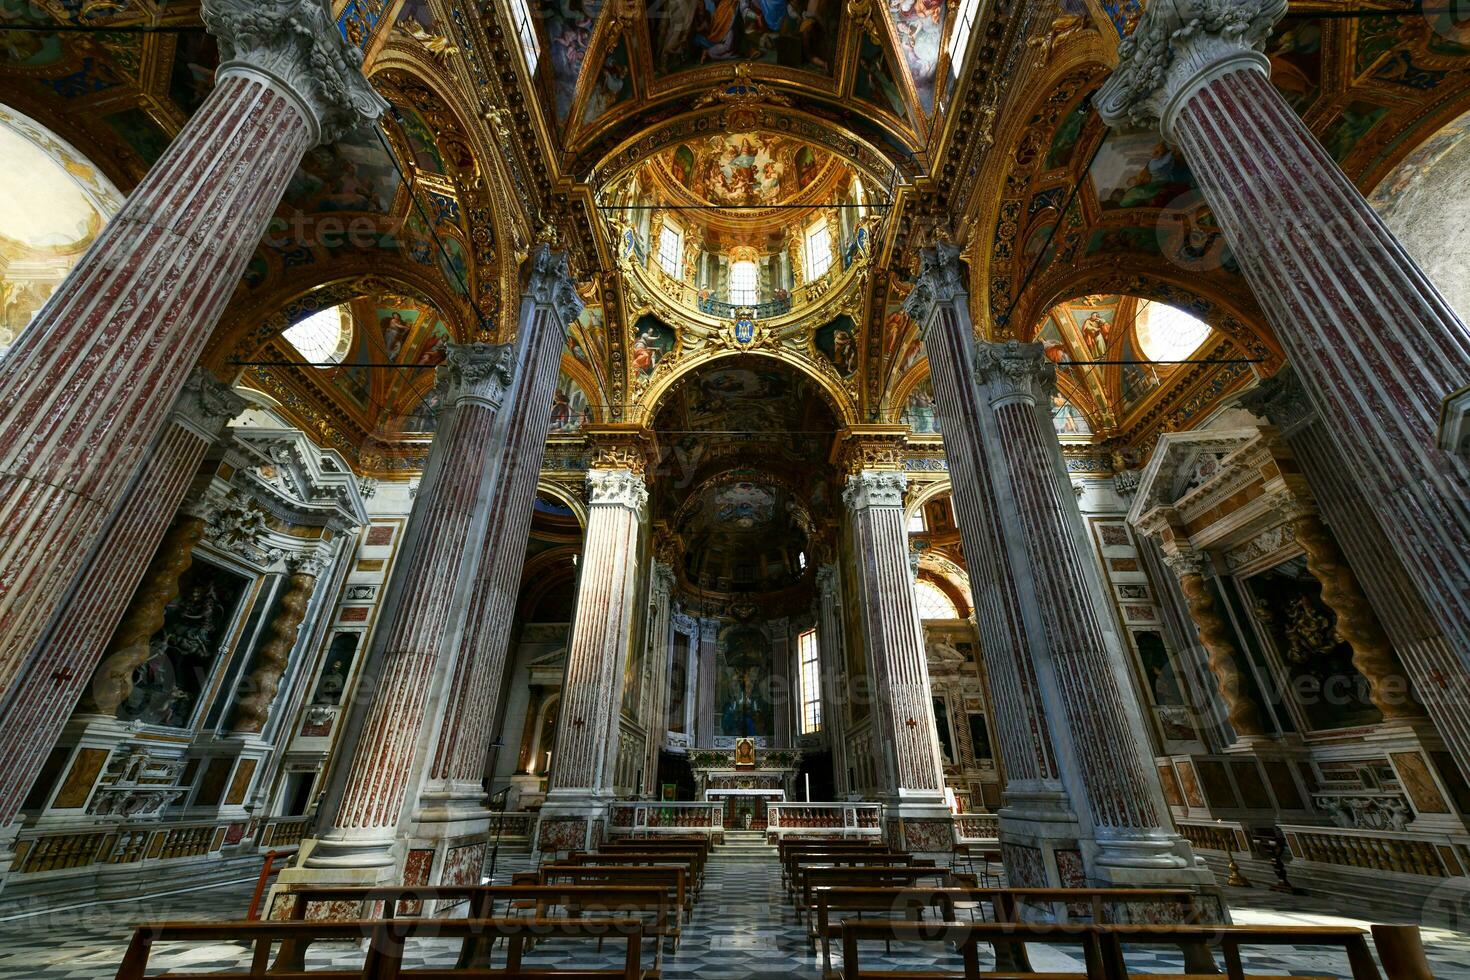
x: 941, y: 280
x: 1011, y: 370
x: 480, y: 373
x: 1177, y: 48
x: 296, y: 46
x: 550, y: 284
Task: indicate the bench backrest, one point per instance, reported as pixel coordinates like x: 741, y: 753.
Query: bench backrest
x: 671, y: 877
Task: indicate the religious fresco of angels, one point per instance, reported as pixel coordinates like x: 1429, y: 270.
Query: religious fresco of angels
x: 919, y: 27
x: 690, y: 33
x: 568, y: 25
x: 745, y: 168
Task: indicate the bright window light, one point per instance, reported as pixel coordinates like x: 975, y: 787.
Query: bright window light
x: 933, y: 603
x: 743, y: 289
x: 811, y: 682
x: 818, y: 250
x: 671, y: 248
x: 959, y: 40
x: 525, y: 27
x: 322, y: 338
x: 1168, y: 334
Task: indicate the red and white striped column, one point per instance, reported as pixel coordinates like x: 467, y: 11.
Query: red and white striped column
x: 452, y: 797
x: 90, y: 383
x: 445, y: 529
x: 897, y: 660
x: 1111, y: 782
x: 592, y: 694
x: 1375, y: 345
x: 59, y: 665
x: 1034, y: 791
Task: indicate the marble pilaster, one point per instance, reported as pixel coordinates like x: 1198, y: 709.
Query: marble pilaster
x: 655, y: 710
x: 913, y: 776
x: 1376, y: 347
x: 411, y: 651
x: 831, y: 648
x: 592, y: 695
x: 90, y: 384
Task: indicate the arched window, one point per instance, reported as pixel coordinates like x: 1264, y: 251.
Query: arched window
x: 1168, y: 334
x: 744, y: 283
x: 933, y: 603
x: 322, y: 338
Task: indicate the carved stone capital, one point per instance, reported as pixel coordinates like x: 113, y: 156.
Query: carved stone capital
x: 1282, y: 401
x: 1010, y: 371
x: 312, y: 563
x: 477, y: 373
x: 827, y: 581
x: 550, y: 284
x: 1179, y: 47
x: 617, y: 488
x: 295, y: 46
x: 1186, y: 563
x: 941, y: 280
x: 874, y: 488
x: 663, y: 581
x: 206, y: 405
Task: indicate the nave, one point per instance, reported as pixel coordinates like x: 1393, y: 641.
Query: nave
x: 743, y: 926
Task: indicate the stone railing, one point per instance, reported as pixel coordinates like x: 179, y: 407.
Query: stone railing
x: 1224, y: 836
x: 824, y: 819
x: 976, y: 828
x: 647, y: 819
x: 281, y: 832
x: 1426, y: 855
x: 41, y: 852
x: 512, y: 824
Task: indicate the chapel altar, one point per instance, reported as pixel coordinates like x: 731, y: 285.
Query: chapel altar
x: 747, y: 779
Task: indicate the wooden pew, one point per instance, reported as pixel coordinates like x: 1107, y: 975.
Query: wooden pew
x: 626, y: 855
x: 870, y: 876
x: 671, y: 878
x: 386, y: 901
x: 1102, y: 947
x: 1006, y: 904
x: 791, y: 871
x: 386, y: 941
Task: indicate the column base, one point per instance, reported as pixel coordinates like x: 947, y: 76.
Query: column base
x: 335, y: 861
x: 570, y: 821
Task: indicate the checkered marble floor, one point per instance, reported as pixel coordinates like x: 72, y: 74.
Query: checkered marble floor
x: 742, y: 927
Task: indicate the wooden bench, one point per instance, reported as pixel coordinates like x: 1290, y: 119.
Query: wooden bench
x: 871, y: 876
x: 671, y: 878
x: 1101, y: 945
x: 796, y: 863
x: 386, y: 901
x: 694, y: 860
x: 387, y: 939
x: 1006, y: 905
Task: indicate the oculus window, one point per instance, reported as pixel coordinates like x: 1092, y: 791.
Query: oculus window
x: 322, y: 338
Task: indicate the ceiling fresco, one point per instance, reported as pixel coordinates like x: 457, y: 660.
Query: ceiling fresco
x: 753, y: 119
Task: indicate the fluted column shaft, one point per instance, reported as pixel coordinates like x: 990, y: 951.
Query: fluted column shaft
x: 446, y: 526
x: 656, y: 690
x: 264, y: 680
x: 61, y: 662
x: 1023, y: 730
x: 607, y: 591
x: 1375, y: 345
x: 897, y: 659
x: 831, y: 648
x: 90, y: 383
x: 472, y: 699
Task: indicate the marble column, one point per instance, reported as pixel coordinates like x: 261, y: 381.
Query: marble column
x: 592, y: 692
x: 1044, y: 617
x: 59, y: 665
x: 90, y: 383
x: 411, y: 648
x: 253, y: 710
x: 831, y: 648
x: 451, y: 796
x: 1426, y: 652
x: 656, y: 687
x: 897, y: 661
x: 1218, y: 638
x: 1377, y: 348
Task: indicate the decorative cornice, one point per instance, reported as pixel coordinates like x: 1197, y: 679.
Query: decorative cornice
x: 1282, y: 401
x: 1012, y: 371
x: 617, y: 488
x: 874, y: 488
x: 477, y: 373
x: 551, y: 284
x: 1179, y: 47
x: 205, y: 406
x: 941, y: 280
x: 296, y: 46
